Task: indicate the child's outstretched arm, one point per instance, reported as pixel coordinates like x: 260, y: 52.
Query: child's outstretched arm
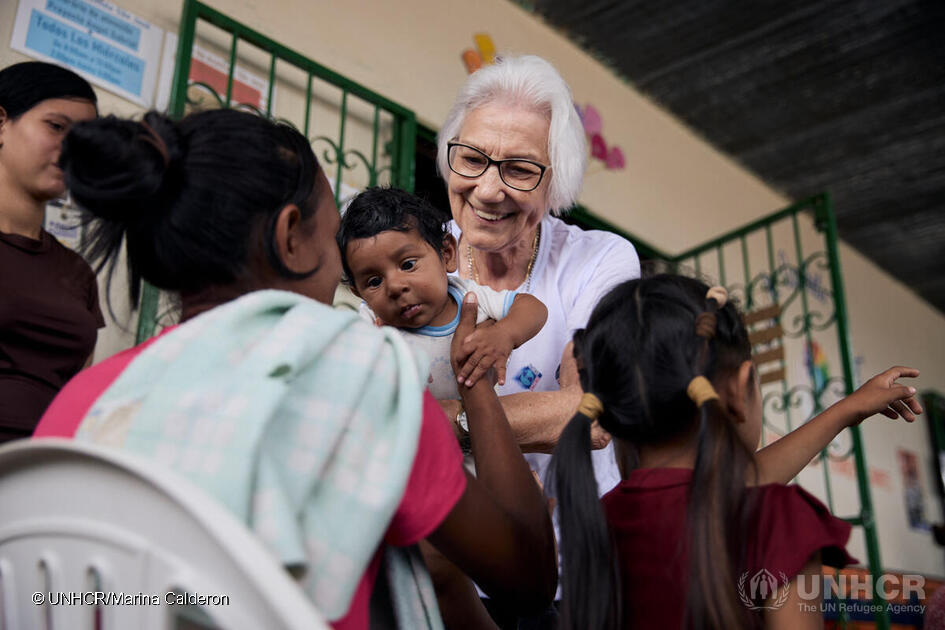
x: 784, y: 459
x: 491, y: 346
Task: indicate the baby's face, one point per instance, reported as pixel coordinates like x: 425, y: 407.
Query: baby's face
x: 402, y: 278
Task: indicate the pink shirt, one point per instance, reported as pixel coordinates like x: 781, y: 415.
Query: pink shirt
x: 436, y: 482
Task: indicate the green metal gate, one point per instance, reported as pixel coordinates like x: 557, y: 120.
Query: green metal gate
x: 356, y: 133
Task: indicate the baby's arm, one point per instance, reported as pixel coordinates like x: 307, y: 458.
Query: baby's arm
x: 784, y: 459
x: 491, y: 346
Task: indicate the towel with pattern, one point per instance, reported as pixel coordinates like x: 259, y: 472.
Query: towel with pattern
x: 301, y: 419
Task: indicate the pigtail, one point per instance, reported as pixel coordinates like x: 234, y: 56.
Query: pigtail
x: 718, y: 513
x: 717, y: 524
x: 590, y: 575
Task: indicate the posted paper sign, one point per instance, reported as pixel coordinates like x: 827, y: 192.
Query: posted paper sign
x: 207, y: 67
x: 64, y: 222
x: 107, y: 45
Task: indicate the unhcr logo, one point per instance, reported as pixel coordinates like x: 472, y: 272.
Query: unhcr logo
x: 761, y: 587
x: 763, y: 591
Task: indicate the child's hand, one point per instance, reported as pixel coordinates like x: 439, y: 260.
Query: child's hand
x: 459, y: 355
x: 882, y: 394
x: 600, y: 438
x: 486, y: 347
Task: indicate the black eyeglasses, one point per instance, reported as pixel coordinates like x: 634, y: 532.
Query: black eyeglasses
x: 517, y: 173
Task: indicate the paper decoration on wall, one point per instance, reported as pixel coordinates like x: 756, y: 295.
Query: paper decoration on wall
x: 611, y: 156
x: 472, y: 60
x: 880, y: 479
x: 486, y: 47
x: 817, y: 366
x: 912, y: 490
x: 483, y: 55
x: 212, y: 69
x: 840, y: 467
x: 64, y: 221
x: 248, y: 88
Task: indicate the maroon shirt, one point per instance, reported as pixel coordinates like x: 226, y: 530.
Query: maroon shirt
x: 647, y: 516
x: 49, y: 314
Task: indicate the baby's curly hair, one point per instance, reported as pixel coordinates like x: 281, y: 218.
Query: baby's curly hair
x: 380, y: 209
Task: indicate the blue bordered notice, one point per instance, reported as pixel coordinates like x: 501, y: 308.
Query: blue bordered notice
x: 104, y: 43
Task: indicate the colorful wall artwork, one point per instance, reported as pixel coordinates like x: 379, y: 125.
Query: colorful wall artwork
x: 609, y: 154
x: 816, y: 361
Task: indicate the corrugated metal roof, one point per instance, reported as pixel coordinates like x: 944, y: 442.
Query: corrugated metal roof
x: 844, y: 97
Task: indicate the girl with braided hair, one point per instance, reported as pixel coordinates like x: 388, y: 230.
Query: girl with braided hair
x: 693, y: 536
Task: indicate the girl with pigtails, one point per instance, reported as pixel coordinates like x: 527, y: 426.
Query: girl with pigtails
x: 693, y: 536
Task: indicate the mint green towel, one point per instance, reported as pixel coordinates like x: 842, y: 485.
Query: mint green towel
x: 301, y: 419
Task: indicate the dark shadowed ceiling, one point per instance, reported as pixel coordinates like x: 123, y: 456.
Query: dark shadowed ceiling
x: 844, y: 97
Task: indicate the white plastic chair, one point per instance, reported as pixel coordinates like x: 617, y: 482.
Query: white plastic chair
x: 76, y: 518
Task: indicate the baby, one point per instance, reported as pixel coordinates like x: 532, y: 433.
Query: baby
x: 397, y: 256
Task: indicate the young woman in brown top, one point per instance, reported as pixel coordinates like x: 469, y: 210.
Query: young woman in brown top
x: 49, y: 311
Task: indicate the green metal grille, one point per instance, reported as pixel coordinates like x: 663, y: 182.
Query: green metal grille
x: 357, y: 134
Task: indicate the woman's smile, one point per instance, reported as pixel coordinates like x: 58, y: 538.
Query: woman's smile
x: 491, y: 217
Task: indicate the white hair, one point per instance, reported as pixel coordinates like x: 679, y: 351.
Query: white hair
x: 533, y: 82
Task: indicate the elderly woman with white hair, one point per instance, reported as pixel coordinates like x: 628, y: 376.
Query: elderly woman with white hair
x: 513, y: 154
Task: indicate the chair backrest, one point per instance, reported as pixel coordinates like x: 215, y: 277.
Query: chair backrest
x: 78, y: 520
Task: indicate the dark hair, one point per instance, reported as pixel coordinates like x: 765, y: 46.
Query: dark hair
x: 23, y: 85
x: 638, y: 353
x: 193, y: 198
x: 380, y: 209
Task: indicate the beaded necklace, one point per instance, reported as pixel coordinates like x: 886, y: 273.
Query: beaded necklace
x: 473, y: 271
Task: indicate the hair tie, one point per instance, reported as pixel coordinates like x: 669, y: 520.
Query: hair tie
x: 590, y: 406
x: 700, y: 390
x: 706, y: 324
x: 155, y: 140
x: 717, y: 293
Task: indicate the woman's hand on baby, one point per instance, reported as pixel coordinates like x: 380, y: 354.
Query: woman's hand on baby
x: 882, y: 394
x: 488, y: 347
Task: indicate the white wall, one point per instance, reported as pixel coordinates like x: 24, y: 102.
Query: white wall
x: 676, y: 191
